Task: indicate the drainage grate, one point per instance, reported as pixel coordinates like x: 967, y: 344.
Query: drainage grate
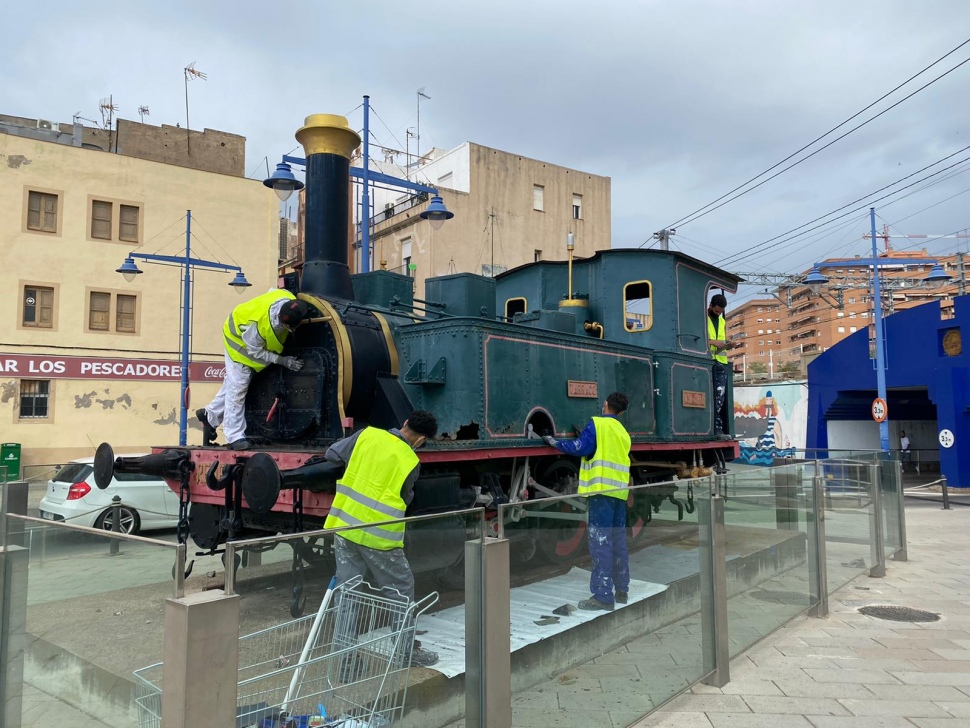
x: 780, y: 597
x: 899, y: 614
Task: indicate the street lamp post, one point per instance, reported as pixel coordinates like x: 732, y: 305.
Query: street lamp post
x: 284, y: 183
x: 937, y: 277
x: 129, y: 270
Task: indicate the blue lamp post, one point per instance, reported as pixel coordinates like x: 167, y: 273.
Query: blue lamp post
x: 282, y: 182
x: 129, y: 269
x: 937, y: 277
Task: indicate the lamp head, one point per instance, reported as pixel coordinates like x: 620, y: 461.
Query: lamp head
x: 436, y: 213
x: 128, y: 269
x: 240, y: 283
x: 282, y: 182
x: 815, y: 280
x: 937, y: 277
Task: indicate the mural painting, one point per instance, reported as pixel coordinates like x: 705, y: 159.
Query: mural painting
x: 770, y: 420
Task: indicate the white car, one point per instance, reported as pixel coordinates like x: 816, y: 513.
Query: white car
x: 72, y: 496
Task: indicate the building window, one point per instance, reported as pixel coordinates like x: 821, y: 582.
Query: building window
x: 637, y: 306
x: 577, y: 207
x: 536, y: 256
x: 761, y: 321
x: 101, y: 220
x: 514, y: 306
x: 38, y: 307
x: 406, y: 256
x: 42, y: 212
x: 759, y: 309
x: 852, y: 314
x: 761, y: 331
x: 840, y: 314
x: 851, y: 300
x: 537, y: 191
x: 105, y: 307
x: 768, y: 331
x: 852, y: 329
x: 841, y: 329
x: 128, y: 229
x: 125, y: 313
x: 35, y: 399
x: 761, y: 343
x: 865, y: 314
x: 99, y: 311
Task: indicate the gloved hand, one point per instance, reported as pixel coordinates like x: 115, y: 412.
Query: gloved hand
x: 549, y: 440
x: 292, y: 363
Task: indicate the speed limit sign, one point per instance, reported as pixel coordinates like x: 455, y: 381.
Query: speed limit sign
x: 880, y: 410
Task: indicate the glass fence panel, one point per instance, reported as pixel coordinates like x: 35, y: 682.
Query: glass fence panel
x: 605, y: 666
x: 848, y: 507
x: 91, y: 617
x: 767, y: 515
x: 359, y: 651
x: 890, y: 483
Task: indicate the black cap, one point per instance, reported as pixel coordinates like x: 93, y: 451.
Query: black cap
x: 293, y: 313
x: 718, y: 299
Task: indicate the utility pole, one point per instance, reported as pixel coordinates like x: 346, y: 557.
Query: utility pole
x: 664, y: 237
x: 417, y: 136
x: 962, y: 282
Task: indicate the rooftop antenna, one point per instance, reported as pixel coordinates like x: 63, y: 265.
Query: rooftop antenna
x: 190, y: 73
x: 417, y: 135
x: 143, y: 112
x: 108, y: 109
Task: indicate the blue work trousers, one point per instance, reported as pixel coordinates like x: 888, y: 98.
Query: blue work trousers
x: 607, y: 547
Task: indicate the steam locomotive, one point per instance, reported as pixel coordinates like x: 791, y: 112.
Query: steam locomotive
x: 499, y: 361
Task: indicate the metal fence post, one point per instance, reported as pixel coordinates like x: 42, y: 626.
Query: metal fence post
x: 902, y: 553
x: 876, y: 549
x: 13, y: 603
x: 488, y: 658
x: 946, y: 493
x: 114, y: 544
x: 817, y: 564
x: 714, y: 617
x: 200, y: 660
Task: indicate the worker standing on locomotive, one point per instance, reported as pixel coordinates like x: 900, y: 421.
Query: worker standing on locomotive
x: 377, y: 485
x: 604, y: 446
x: 253, y: 335
x: 718, y: 344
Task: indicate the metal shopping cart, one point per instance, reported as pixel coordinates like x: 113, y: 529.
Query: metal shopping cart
x: 346, y: 666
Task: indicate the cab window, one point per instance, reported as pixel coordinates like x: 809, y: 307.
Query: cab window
x: 637, y: 306
x: 514, y: 306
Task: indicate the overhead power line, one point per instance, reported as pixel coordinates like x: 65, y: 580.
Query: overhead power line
x: 711, y: 206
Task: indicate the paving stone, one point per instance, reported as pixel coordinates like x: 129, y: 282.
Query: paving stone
x: 764, y: 720
x: 708, y: 704
x: 860, y: 721
x: 957, y: 709
x: 751, y: 686
x: 899, y: 708
x: 933, y: 678
x: 918, y: 692
x: 916, y: 643
x: 794, y: 706
x: 943, y: 665
x: 809, y: 689
x: 663, y: 719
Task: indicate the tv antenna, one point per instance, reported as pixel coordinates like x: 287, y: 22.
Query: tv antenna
x: 108, y: 109
x: 190, y: 73
x: 143, y: 112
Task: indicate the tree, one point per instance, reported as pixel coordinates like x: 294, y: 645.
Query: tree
x: 758, y: 367
x: 790, y: 369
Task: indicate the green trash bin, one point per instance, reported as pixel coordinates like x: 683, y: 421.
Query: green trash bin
x: 10, y: 459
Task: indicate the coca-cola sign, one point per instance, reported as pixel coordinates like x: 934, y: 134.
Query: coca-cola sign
x: 47, y: 366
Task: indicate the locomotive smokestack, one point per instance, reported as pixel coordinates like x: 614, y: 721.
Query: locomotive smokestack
x: 328, y: 142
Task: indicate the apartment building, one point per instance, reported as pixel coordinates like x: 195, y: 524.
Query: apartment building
x: 86, y: 356
x: 760, y: 326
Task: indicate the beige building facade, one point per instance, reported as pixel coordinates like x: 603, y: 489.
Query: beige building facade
x: 509, y: 210
x: 87, y: 357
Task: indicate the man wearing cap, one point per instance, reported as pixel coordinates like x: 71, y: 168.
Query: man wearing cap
x: 718, y: 344
x: 254, y: 335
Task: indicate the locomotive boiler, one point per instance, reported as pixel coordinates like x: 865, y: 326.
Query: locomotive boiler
x: 533, y: 351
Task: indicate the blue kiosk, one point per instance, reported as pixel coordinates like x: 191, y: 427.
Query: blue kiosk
x: 927, y: 382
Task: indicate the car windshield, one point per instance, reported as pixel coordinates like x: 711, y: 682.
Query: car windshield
x: 73, y: 473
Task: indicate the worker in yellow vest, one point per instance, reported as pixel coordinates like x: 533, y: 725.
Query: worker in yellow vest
x: 604, y: 446
x: 253, y: 335
x: 718, y: 344
x: 381, y: 469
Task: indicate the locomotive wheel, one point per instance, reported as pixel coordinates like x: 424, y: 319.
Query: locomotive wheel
x: 559, y: 541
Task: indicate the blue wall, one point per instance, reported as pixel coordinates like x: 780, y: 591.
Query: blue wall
x: 842, y: 380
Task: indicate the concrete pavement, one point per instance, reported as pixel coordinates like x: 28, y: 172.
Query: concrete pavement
x: 854, y: 671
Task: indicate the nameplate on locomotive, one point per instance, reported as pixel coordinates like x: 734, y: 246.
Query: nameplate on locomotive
x: 697, y: 400
x: 581, y: 389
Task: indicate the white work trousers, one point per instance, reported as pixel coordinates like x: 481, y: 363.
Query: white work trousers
x: 229, y: 406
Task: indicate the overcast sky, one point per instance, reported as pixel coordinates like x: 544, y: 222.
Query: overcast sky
x: 678, y: 101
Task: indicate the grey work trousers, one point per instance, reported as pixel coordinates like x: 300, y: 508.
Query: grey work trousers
x: 385, y: 570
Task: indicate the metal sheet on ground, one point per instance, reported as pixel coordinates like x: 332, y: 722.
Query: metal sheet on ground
x: 446, y: 629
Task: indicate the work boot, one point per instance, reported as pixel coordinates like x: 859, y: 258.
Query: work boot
x: 595, y: 605
x: 421, y: 657
x: 208, y: 431
x: 239, y: 445
x: 622, y: 597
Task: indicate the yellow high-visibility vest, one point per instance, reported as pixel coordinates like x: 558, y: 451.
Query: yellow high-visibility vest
x: 609, y: 468
x: 370, y: 490
x: 717, y: 334
x: 254, y: 313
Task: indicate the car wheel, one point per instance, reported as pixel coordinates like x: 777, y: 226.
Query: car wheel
x: 128, y: 520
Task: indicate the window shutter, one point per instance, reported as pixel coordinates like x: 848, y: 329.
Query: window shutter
x: 125, y: 318
x: 99, y: 311
x: 129, y: 224
x: 101, y: 220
